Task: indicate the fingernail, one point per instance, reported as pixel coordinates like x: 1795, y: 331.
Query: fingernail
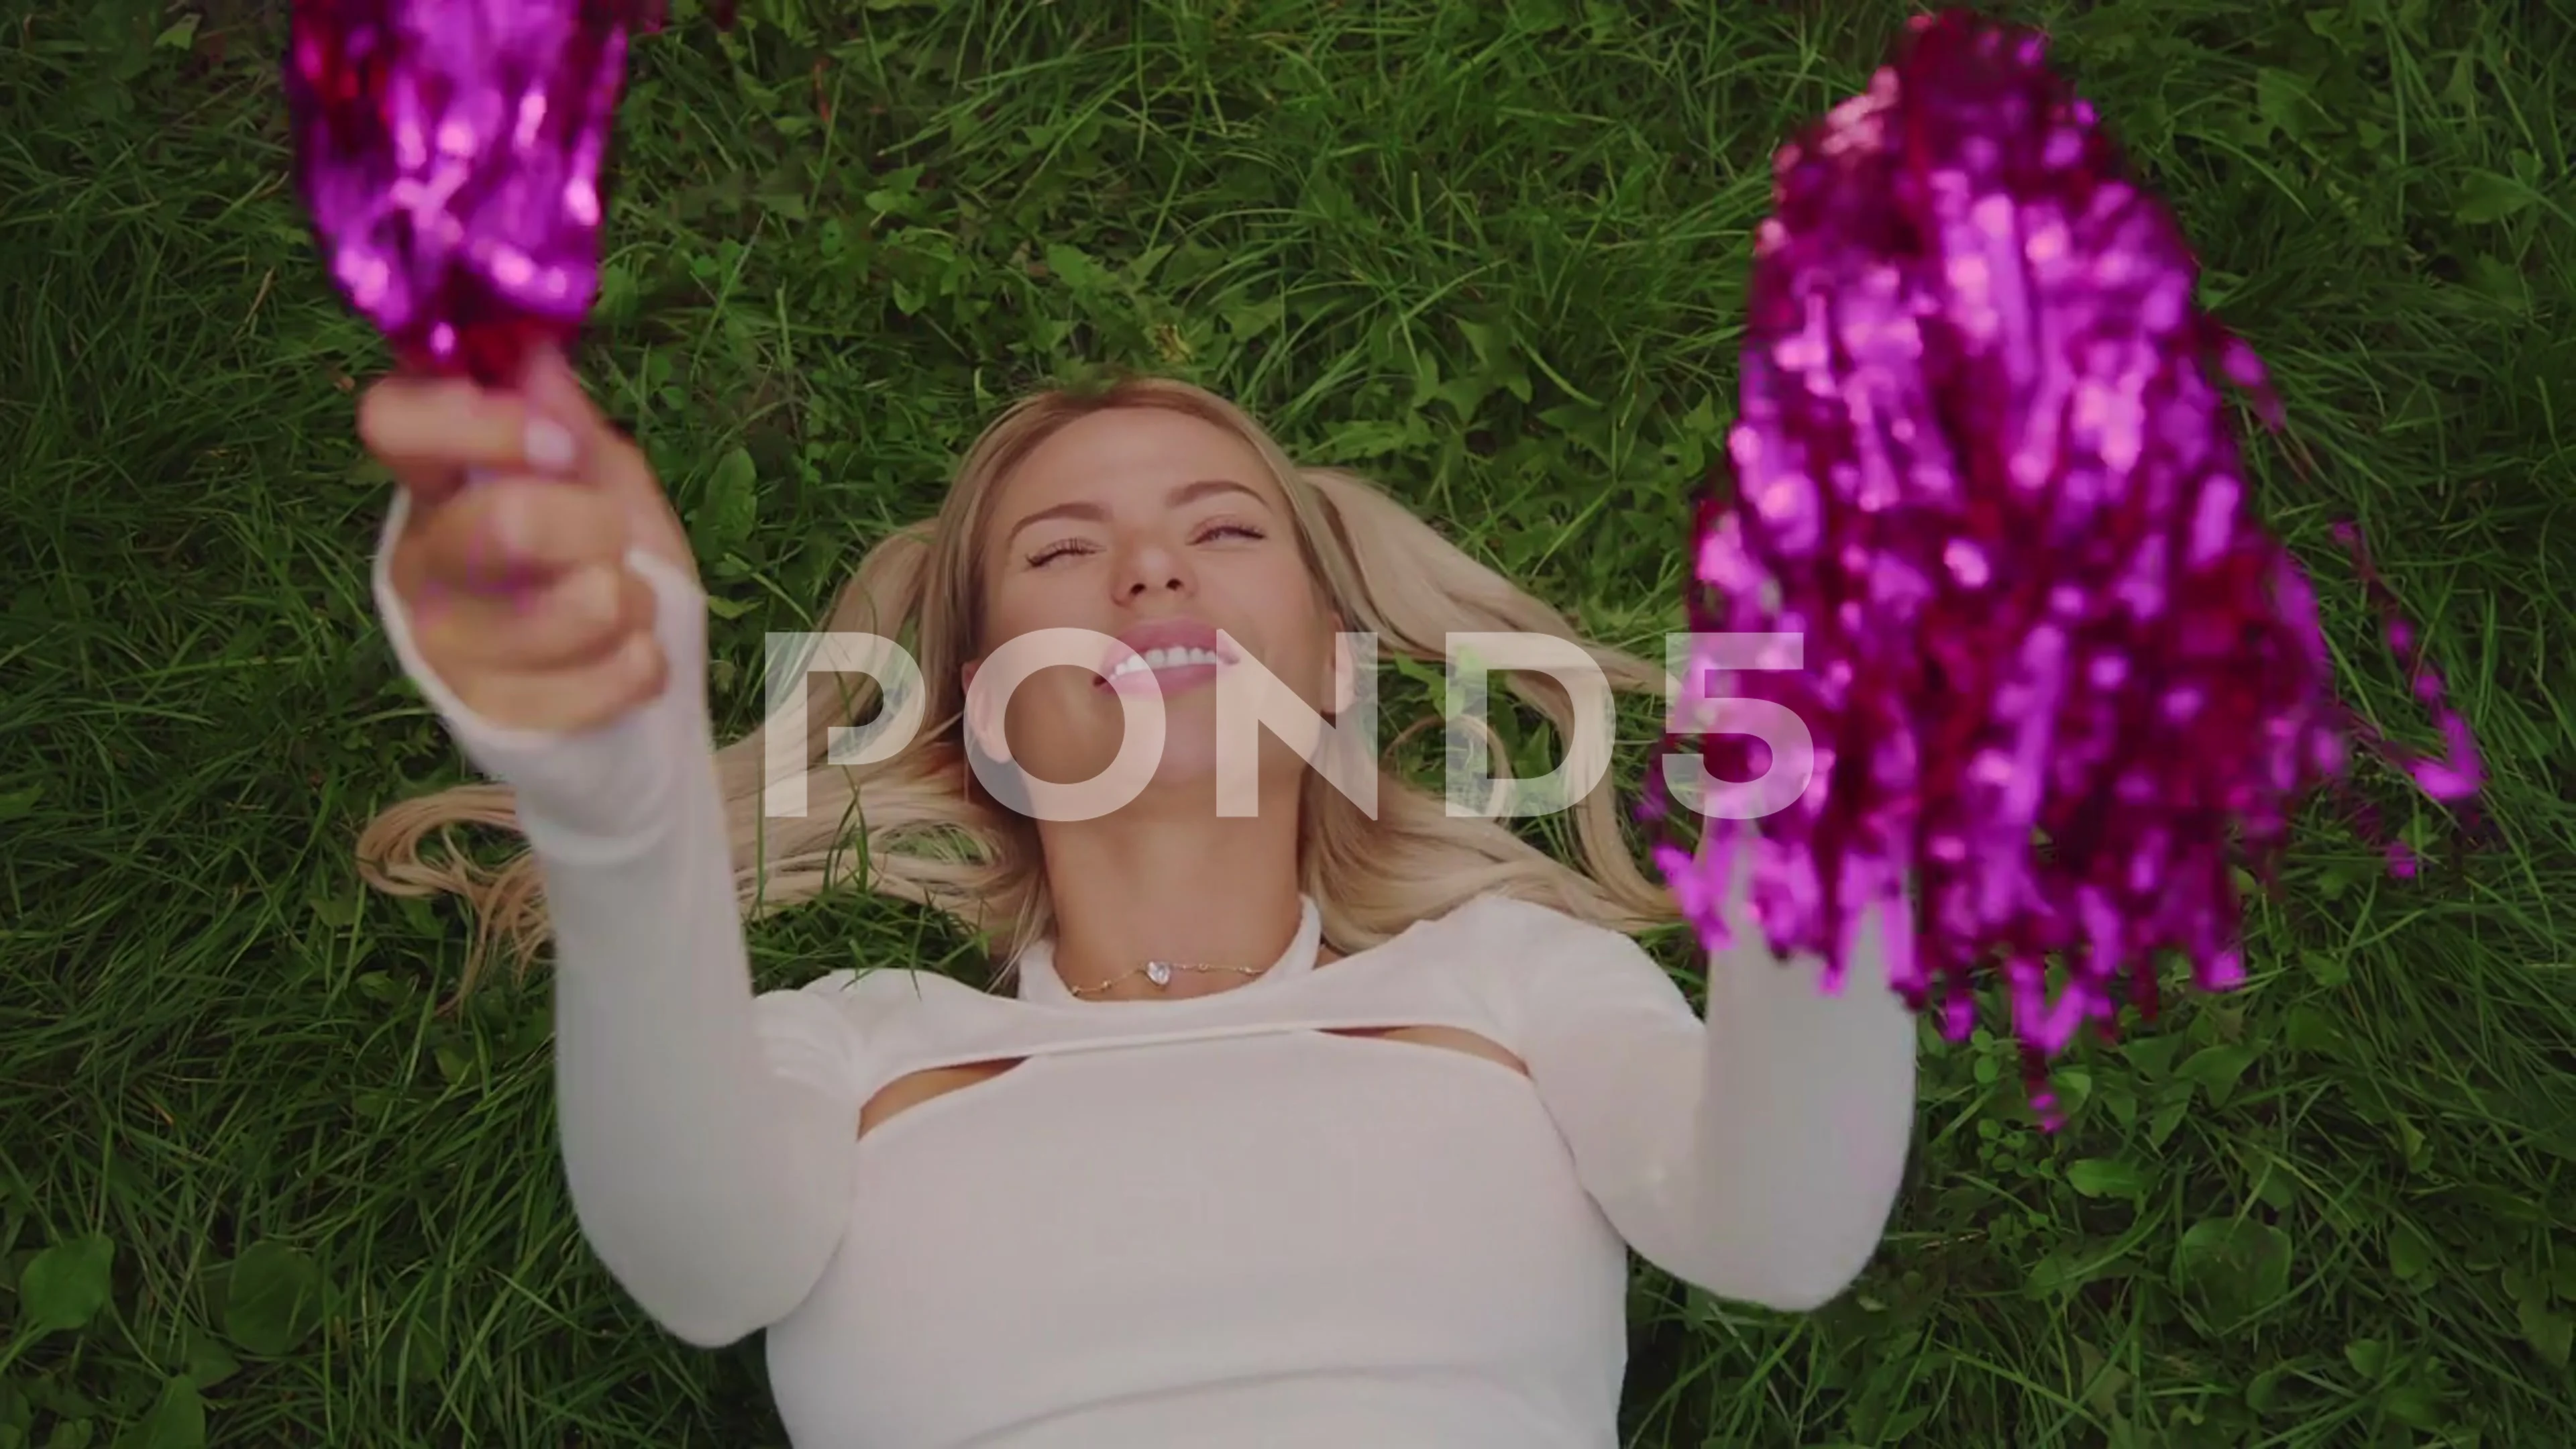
x: 548, y: 445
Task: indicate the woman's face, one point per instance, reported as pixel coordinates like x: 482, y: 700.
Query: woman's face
x: 1167, y: 534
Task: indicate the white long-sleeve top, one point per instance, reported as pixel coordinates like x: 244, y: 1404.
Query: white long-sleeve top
x: 1185, y: 1223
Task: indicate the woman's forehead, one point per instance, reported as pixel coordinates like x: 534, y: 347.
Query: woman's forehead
x: 1131, y: 456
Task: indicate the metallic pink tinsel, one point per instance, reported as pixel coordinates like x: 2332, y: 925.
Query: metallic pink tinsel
x: 449, y: 156
x: 2056, y: 674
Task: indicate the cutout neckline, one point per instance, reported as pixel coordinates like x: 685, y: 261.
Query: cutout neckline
x: 926, y: 1087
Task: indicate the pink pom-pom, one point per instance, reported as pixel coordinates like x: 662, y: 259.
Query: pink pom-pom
x: 449, y: 155
x: 2056, y: 675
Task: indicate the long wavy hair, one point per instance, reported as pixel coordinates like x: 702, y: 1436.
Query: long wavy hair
x: 916, y: 826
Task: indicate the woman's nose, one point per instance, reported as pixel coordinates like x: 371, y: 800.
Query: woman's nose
x: 1152, y: 569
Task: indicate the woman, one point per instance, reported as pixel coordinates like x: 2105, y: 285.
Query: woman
x: 1357, y: 1165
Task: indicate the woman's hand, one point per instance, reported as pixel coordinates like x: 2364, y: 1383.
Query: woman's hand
x: 517, y: 588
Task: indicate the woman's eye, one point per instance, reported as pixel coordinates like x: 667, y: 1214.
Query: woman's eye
x: 1054, y: 551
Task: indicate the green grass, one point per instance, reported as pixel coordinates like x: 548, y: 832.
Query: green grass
x: 1492, y: 252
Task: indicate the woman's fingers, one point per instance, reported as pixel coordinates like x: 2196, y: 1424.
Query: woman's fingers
x: 575, y: 619
x: 432, y: 431
x: 522, y: 600
x: 609, y: 459
x: 563, y: 700
x: 518, y: 589
x: 505, y: 536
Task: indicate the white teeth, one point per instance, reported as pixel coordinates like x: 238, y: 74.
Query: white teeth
x: 1164, y: 659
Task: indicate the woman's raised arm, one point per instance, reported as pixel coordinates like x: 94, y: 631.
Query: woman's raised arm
x: 1757, y: 1153
x: 708, y: 1135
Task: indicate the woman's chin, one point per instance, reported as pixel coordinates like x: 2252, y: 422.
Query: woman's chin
x: 1188, y: 779
x: 1187, y: 767
x: 1191, y: 778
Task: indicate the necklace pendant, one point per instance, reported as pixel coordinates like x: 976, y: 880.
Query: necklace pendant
x: 1159, y: 972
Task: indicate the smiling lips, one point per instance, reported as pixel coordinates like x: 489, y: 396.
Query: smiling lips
x: 1168, y: 655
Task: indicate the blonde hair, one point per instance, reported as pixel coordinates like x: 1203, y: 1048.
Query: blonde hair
x: 915, y: 826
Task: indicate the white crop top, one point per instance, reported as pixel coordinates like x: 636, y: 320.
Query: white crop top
x: 1201, y: 1223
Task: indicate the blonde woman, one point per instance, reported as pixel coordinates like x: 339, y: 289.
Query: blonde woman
x: 1298, y: 1128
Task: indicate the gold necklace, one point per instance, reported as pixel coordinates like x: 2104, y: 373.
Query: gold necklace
x: 1160, y: 973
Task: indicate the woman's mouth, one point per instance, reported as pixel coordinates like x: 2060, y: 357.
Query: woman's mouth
x: 1166, y: 670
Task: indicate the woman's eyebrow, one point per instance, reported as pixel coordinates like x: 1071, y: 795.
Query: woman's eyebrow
x: 1208, y: 487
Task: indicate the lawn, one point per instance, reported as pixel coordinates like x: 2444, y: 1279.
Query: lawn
x: 257, y: 1188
